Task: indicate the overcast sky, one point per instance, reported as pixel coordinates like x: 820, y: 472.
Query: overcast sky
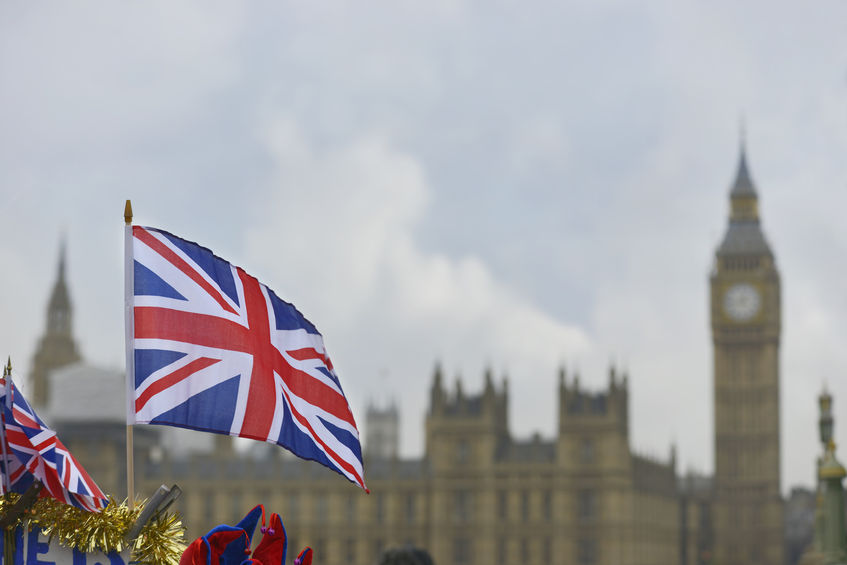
x: 505, y: 184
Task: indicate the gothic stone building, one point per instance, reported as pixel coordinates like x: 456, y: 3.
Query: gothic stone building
x: 477, y: 495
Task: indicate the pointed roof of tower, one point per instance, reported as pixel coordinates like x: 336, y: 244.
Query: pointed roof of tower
x: 743, y: 184
x: 63, y: 245
x: 60, y: 298
x: 744, y: 235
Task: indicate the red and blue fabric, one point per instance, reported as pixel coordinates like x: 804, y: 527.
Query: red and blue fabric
x: 218, y: 351
x: 210, y: 549
x: 230, y: 545
x: 305, y: 557
x: 35, y: 452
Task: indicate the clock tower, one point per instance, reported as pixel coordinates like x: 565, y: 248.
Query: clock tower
x: 745, y: 314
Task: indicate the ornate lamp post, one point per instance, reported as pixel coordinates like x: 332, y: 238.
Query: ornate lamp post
x: 832, y: 533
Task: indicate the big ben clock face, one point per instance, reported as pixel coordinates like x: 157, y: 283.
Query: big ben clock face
x: 741, y: 302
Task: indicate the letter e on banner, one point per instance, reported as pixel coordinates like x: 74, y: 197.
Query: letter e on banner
x: 34, y: 548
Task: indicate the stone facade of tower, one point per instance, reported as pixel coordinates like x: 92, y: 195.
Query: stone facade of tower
x: 57, y: 347
x: 382, y: 432
x: 745, y: 318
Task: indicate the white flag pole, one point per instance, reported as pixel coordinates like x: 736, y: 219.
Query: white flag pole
x: 129, y: 336
x: 7, y: 375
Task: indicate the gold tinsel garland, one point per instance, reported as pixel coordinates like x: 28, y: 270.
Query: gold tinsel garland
x: 161, y: 541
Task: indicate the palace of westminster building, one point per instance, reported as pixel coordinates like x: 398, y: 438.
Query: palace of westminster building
x: 477, y: 496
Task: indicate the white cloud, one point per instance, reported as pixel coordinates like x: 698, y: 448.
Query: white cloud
x: 78, y: 81
x: 338, y: 241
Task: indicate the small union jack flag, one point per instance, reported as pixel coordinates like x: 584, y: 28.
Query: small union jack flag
x: 216, y: 350
x: 34, y: 452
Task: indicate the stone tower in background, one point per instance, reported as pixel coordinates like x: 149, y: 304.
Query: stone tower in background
x: 745, y: 315
x: 57, y: 347
x: 382, y: 429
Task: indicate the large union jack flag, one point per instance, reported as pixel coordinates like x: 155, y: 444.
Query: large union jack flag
x: 216, y: 350
x: 34, y: 452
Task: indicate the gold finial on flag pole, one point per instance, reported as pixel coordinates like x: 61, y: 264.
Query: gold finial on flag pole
x: 128, y: 212
x: 8, y: 368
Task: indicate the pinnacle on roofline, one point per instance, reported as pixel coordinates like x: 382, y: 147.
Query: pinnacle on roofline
x: 743, y: 185
x: 63, y: 246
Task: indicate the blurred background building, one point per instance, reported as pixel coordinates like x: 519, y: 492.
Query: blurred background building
x: 477, y: 495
